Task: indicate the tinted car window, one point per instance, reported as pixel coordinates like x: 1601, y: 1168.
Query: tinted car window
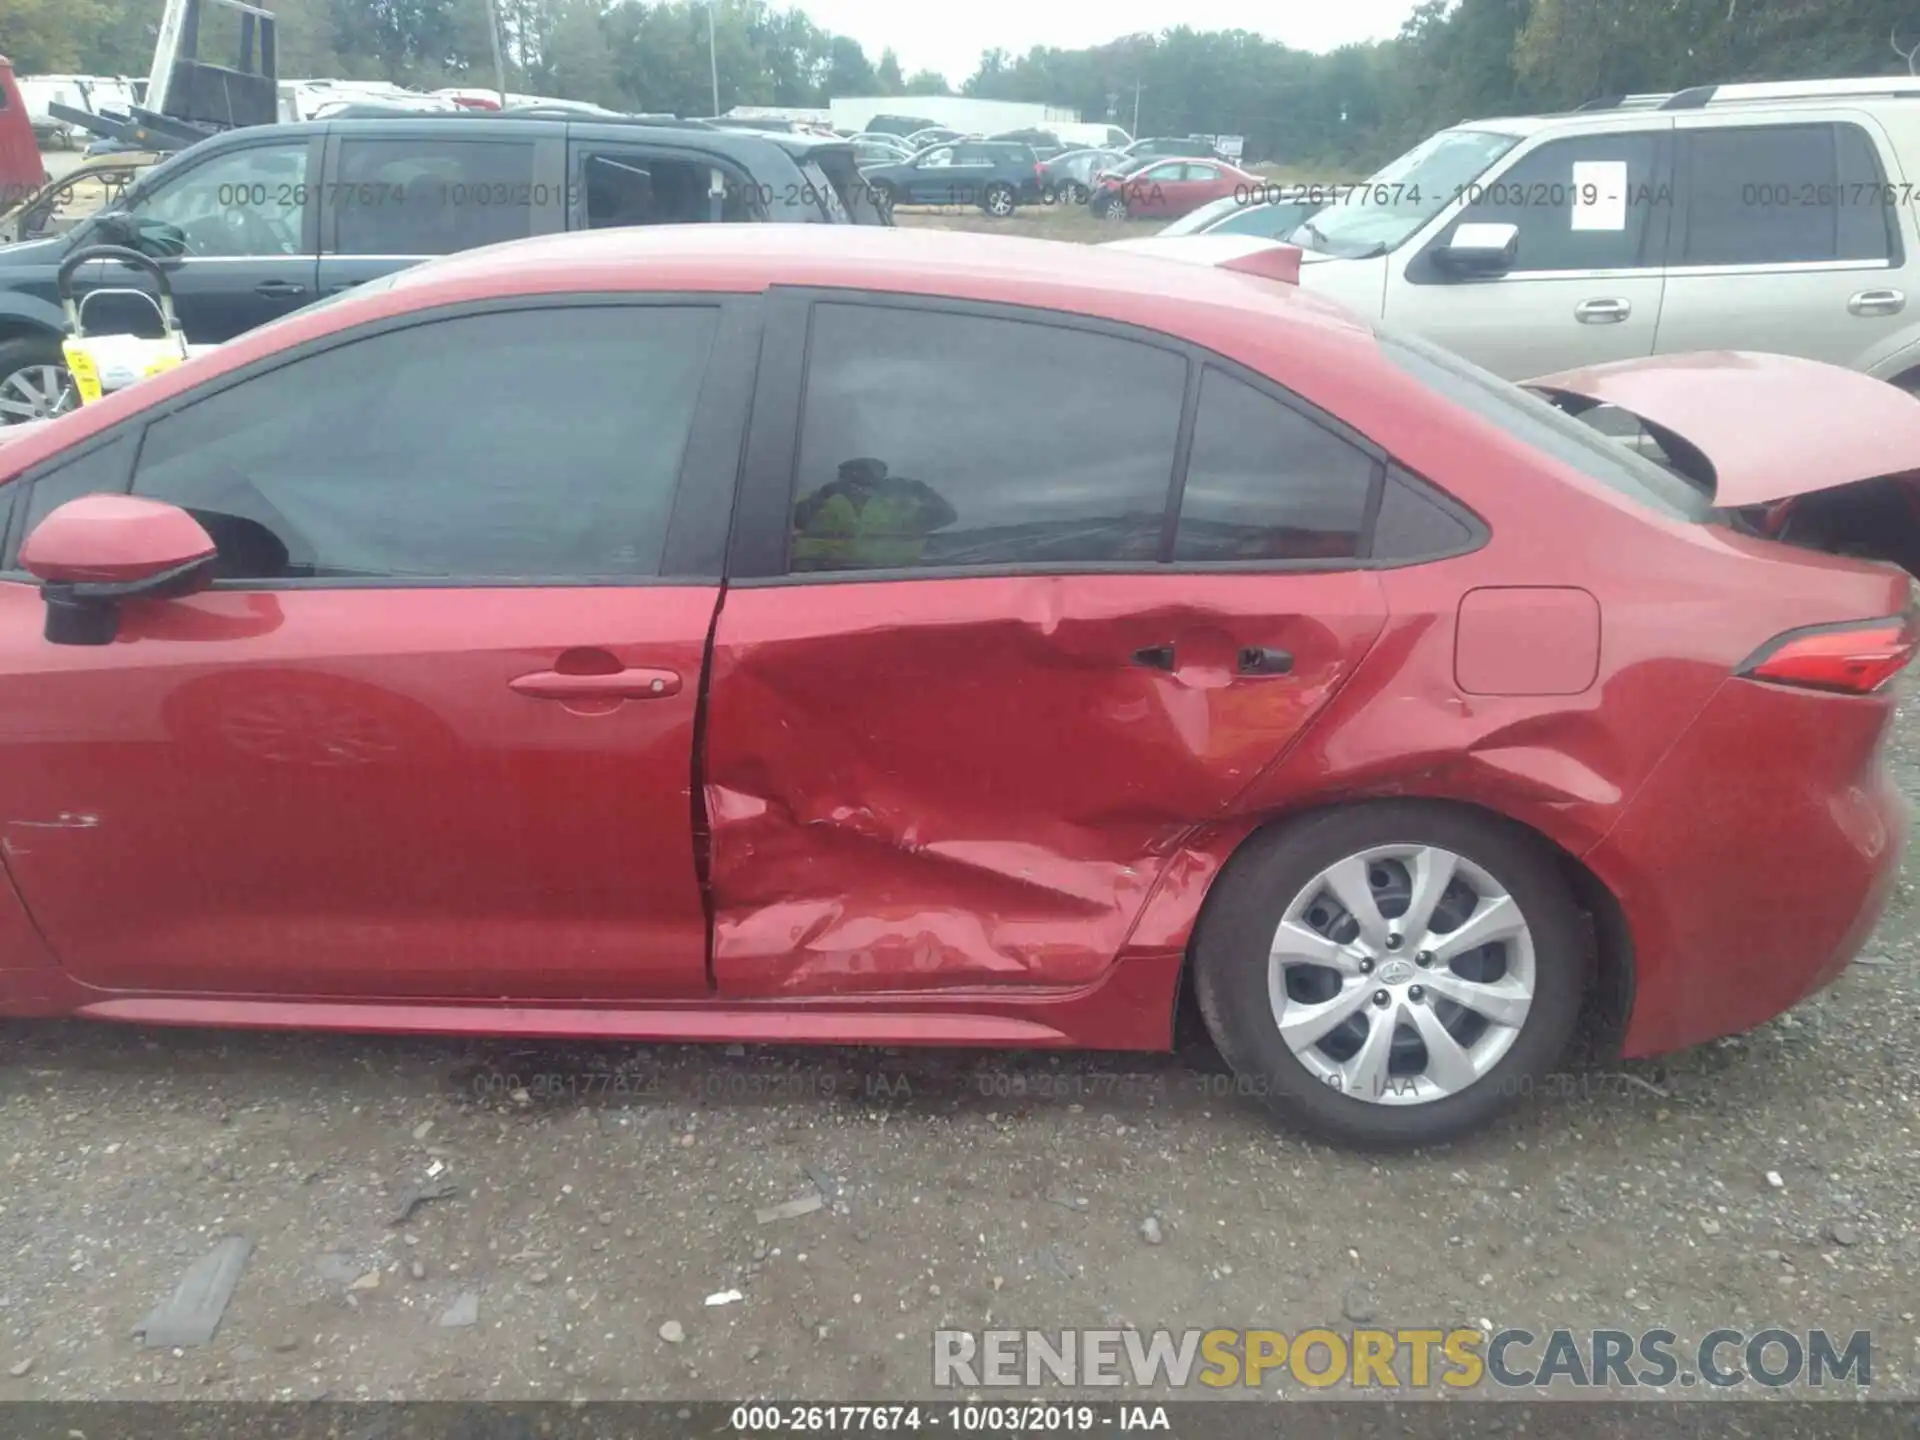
x: 932, y: 439
x: 101, y: 470
x: 421, y: 453
x: 239, y: 203
x: 1413, y: 525
x: 631, y: 187
x: 1581, y: 204
x: 1530, y: 419
x: 1267, y: 482
x: 432, y: 197
x: 1764, y: 194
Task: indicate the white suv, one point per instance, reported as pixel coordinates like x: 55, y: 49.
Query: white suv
x: 1779, y: 217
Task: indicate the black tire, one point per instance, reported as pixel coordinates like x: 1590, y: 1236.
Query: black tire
x: 28, y: 352
x: 1236, y: 930
x: 1072, y: 193
x: 1112, y: 208
x: 884, y: 198
x: 999, y: 201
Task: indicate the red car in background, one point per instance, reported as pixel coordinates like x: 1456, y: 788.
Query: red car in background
x: 768, y: 664
x: 1170, y: 188
x: 21, y: 172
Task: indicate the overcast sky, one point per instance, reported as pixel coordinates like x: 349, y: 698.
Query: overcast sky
x: 948, y: 37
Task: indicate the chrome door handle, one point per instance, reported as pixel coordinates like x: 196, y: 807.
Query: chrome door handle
x: 1602, y: 312
x: 1877, y: 302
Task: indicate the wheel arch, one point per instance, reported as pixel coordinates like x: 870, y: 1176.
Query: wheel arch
x: 24, y: 327
x: 1610, y: 985
x: 28, y: 317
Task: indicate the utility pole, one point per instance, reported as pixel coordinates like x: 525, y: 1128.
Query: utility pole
x: 1136, y: 109
x: 499, y: 67
x: 713, y: 56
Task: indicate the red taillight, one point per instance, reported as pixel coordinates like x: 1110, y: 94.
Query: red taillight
x: 1039, y: 171
x: 1855, y: 657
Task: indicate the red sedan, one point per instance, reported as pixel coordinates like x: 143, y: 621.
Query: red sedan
x: 1171, y: 188
x: 711, y: 634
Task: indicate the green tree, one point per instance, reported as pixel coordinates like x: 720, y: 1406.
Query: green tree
x: 849, y: 72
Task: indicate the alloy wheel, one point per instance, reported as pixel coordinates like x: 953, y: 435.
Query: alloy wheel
x: 1401, y: 975
x: 36, y: 392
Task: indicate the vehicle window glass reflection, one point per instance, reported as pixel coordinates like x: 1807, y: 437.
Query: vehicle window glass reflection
x: 932, y: 439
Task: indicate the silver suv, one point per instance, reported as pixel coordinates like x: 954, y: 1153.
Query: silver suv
x: 1778, y: 217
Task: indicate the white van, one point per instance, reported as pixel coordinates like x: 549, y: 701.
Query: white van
x: 1778, y: 217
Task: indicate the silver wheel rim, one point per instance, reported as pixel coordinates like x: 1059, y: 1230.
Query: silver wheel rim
x: 36, y: 392
x: 1401, y: 974
x: 1000, y: 203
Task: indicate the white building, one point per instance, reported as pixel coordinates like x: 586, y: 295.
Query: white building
x: 956, y: 112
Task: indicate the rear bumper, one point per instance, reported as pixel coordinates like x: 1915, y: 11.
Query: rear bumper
x: 1755, y: 861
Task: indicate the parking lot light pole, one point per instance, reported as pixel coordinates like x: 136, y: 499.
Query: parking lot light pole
x: 713, y: 56
x: 493, y: 36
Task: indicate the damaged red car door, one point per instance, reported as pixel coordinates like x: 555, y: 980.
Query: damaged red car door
x: 978, y: 671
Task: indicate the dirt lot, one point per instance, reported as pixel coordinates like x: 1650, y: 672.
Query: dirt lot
x: 601, y: 1193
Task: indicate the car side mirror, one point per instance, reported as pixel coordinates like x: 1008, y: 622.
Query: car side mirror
x: 1480, y: 249
x: 115, y: 227
x: 95, y: 553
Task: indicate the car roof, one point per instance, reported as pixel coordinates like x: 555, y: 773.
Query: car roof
x: 1609, y: 117
x: 953, y: 264
x: 630, y: 127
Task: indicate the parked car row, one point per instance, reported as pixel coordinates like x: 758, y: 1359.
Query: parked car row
x: 998, y: 176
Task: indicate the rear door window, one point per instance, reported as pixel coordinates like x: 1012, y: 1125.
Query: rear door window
x: 931, y: 440
x: 628, y: 186
x: 1783, y: 194
x: 431, y: 196
x: 1266, y: 481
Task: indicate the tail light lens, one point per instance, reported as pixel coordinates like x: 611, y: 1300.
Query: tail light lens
x: 1039, y: 171
x: 1855, y: 657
